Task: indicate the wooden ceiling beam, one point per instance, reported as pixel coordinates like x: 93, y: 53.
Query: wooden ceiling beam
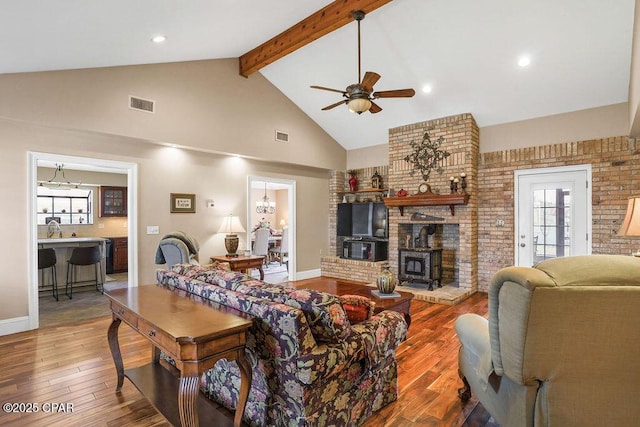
x: 324, y: 21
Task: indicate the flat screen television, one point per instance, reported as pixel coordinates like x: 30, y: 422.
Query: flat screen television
x: 362, y: 220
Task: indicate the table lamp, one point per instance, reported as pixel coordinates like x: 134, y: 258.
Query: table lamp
x: 631, y: 224
x: 231, y: 225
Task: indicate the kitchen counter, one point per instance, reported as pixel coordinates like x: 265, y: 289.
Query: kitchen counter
x: 63, y: 247
x: 66, y: 240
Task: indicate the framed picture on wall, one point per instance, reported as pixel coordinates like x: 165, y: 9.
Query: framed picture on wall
x: 183, y: 203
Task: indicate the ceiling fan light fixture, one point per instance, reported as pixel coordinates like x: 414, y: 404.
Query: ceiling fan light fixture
x: 359, y: 105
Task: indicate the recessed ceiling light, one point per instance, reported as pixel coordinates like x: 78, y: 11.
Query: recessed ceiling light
x: 524, y: 61
x: 427, y: 88
x: 158, y: 39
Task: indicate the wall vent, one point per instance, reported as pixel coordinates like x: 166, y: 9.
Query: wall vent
x: 141, y: 104
x: 282, y: 136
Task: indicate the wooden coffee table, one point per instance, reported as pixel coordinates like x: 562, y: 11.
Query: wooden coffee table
x: 242, y: 263
x: 195, y: 335
x: 401, y: 304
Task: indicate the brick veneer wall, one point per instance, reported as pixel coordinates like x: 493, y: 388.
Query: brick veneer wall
x: 461, y: 139
x: 332, y: 265
x: 615, y: 177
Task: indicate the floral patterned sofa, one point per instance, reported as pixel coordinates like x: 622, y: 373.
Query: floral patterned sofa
x: 311, y: 365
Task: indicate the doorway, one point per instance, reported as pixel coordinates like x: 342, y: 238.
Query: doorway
x: 552, y: 213
x: 278, y: 212
x: 85, y: 164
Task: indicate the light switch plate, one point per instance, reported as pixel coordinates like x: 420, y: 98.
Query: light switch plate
x: 153, y: 229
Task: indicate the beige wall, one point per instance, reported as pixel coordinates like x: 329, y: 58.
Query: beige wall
x: 204, y: 105
x: 369, y: 156
x: 162, y: 170
x: 200, y: 104
x: 582, y: 125
x: 593, y: 123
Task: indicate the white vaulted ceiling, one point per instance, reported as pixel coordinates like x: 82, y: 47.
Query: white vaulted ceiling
x: 466, y: 50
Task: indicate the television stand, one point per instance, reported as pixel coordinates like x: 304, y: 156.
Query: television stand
x: 366, y: 249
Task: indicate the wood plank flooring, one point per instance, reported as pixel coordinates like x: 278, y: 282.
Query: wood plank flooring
x: 71, y: 364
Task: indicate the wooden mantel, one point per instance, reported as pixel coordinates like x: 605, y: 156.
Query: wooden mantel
x: 428, y: 199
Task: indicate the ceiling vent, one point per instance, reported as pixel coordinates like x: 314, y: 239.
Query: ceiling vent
x: 140, y: 104
x: 282, y: 136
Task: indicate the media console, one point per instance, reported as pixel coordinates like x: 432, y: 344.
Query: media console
x: 365, y: 249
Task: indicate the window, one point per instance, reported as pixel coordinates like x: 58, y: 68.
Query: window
x: 65, y: 205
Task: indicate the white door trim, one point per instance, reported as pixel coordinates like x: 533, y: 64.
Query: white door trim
x: 540, y: 171
x: 131, y: 169
x: 291, y: 200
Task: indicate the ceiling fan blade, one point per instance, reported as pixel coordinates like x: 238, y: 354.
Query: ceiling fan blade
x: 398, y: 93
x: 375, y: 108
x: 329, y: 89
x: 370, y: 78
x: 329, y: 107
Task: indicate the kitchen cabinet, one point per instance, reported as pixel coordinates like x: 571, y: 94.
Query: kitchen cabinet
x: 120, y: 254
x: 113, y: 201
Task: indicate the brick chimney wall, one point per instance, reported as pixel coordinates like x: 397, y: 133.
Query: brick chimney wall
x: 461, y: 139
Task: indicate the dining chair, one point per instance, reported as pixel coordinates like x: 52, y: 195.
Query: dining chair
x: 261, y: 245
x: 280, y: 251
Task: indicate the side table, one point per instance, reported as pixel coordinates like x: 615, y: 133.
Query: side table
x: 243, y: 263
x: 194, y: 335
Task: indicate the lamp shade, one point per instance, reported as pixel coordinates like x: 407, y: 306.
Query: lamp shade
x: 231, y: 225
x: 359, y: 105
x: 631, y: 223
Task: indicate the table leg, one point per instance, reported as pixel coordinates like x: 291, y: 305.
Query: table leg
x: 187, y: 401
x: 245, y: 386
x: 261, y: 272
x: 112, y: 336
x: 155, y: 355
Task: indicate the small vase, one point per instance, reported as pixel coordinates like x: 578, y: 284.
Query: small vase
x: 353, y: 183
x: 386, y: 280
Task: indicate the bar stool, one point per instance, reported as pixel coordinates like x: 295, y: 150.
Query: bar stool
x: 47, y: 259
x: 83, y: 255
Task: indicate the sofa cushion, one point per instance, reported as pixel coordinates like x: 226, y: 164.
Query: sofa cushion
x: 324, y: 312
x: 357, y: 307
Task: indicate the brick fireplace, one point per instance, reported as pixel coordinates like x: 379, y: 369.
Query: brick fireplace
x: 456, y: 235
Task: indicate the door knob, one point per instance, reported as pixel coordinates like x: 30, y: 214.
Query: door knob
x: 522, y: 245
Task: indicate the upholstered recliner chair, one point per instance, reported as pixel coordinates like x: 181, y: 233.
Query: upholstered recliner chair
x: 561, y: 346
x: 177, y: 248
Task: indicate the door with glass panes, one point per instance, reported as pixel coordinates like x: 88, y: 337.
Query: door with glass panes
x: 553, y: 213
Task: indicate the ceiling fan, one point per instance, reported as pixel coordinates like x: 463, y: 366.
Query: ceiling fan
x: 360, y: 96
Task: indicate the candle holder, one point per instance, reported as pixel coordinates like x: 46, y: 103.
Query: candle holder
x: 452, y: 187
x: 463, y: 183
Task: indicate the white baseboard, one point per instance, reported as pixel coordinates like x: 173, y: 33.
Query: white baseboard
x: 309, y: 274
x: 15, y: 325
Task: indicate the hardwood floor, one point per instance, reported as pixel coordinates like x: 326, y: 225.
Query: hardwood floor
x: 71, y: 364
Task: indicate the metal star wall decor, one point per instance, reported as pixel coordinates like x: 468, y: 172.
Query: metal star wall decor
x: 427, y: 156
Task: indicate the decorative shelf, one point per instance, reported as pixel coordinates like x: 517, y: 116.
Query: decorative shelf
x: 429, y: 199
x: 366, y: 190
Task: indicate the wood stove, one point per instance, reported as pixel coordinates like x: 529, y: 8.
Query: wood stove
x: 420, y: 265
